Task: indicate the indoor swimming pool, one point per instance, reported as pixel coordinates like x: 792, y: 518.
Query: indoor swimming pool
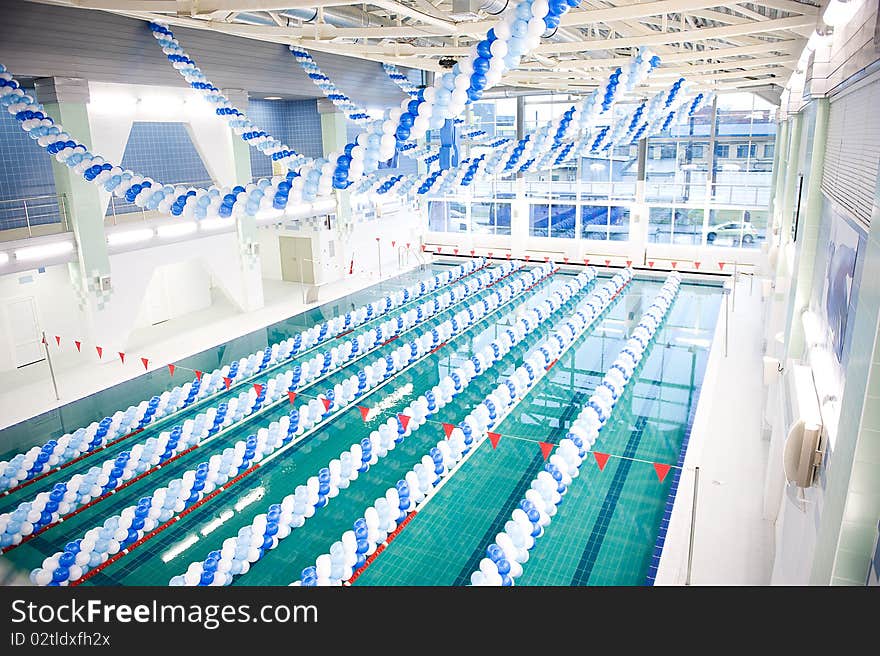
x: 609, y: 522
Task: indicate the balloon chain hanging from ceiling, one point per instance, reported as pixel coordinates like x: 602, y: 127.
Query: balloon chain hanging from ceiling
x: 468, y: 170
x: 548, y: 138
x: 518, y: 32
x: 237, y: 120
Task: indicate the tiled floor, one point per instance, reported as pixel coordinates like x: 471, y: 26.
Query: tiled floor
x: 733, y: 543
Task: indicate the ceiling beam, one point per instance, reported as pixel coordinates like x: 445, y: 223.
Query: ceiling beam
x: 703, y: 34
x: 582, y: 17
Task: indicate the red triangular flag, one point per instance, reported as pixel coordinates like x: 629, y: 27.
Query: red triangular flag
x: 448, y: 428
x: 546, y: 448
x: 100, y: 351
x: 58, y: 340
x: 44, y: 340
x: 258, y: 388
x: 721, y: 265
x: 494, y: 438
x: 407, y: 244
x: 586, y: 261
x: 171, y: 369
x: 696, y: 265
x: 674, y: 264
x: 490, y: 254
x: 565, y: 259
x: 607, y: 262
x: 403, y: 419
x: 661, y: 470
x: 651, y: 263
x: 377, y: 239
x: 291, y: 396
x: 601, y: 459
x: 455, y: 250
x: 472, y: 252
x: 508, y: 256
x: 351, y: 267
x: 528, y: 257
x: 122, y: 357
x: 146, y: 362
x: 393, y: 243
x: 423, y: 248
x: 78, y: 345
x: 326, y: 403
x: 364, y: 411
x: 629, y: 263
x: 546, y: 258
x: 198, y: 374
x: 227, y: 381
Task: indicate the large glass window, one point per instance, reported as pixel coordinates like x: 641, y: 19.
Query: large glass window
x: 602, y: 222
x: 675, y: 225
x: 552, y: 220
x: 742, y: 170
x: 490, y: 218
x: 447, y: 216
x: 735, y: 227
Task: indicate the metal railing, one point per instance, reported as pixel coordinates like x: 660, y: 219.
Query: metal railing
x: 33, y: 216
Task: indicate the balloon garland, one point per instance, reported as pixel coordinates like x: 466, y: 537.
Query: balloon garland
x: 237, y: 120
x: 383, y: 517
x: 131, y: 524
x: 340, y: 472
x: 353, y: 112
x: 518, y: 32
x: 400, y: 80
x: 505, y: 557
x: 81, y: 488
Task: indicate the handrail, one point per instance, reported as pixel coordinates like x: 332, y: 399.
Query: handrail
x: 46, y: 206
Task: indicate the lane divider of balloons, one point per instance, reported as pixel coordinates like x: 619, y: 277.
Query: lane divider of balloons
x: 505, y: 557
x: 267, y: 529
x: 41, y: 460
x: 33, y: 517
x: 124, y: 532
x: 358, y: 547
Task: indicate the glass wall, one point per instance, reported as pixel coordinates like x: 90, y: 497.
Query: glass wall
x: 707, y: 179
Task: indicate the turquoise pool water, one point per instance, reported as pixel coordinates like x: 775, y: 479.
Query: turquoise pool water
x: 606, y: 527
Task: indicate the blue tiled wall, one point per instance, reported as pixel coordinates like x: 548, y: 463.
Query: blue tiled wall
x: 295, y: 122
x: 25, y: 172
x: 164, y: 152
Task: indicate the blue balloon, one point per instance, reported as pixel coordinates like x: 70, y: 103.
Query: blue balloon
x: 484, y: 47
x: 519, y: 30
x: 478, y: 81
x: 407, y: 119
x: 481, y: 64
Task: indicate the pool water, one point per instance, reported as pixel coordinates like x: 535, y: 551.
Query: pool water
x: 607, y: 524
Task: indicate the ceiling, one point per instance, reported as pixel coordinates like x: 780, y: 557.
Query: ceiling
x: 749, y: 46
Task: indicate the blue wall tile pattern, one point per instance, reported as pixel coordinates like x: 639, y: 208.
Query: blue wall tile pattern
x: 164, y: 152
x: 25, y: 172
x: 295, y: 122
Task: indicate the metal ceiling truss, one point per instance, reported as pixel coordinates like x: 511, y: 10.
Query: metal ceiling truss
x: 715, y: 45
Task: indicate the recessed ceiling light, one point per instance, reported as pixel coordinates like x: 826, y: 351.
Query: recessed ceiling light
x: 272, y: 98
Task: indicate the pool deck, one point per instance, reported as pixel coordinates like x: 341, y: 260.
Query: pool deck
x: 733, y: 543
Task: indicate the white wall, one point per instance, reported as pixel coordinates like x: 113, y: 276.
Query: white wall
x: 114, y: 107
x: 174, y: 290
x: 57, y: 309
